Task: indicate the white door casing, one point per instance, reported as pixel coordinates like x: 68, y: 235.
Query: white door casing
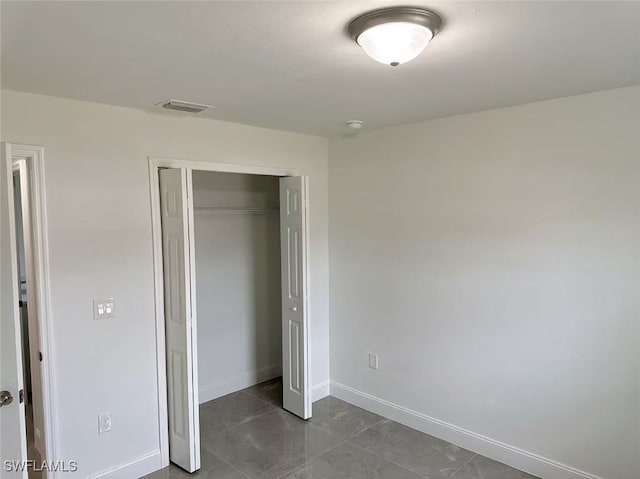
x: 295, y: 295
x: 297, y: 399
x: 179, y: 302
x: 13, y: 442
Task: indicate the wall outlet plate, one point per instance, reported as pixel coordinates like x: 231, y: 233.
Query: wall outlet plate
x: 104, y: 423
x: 104, y: 308
x: 373, y: 361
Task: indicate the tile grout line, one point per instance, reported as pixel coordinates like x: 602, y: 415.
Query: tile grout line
x: 368, y: 427
x: 274, y: 409
x: 274, y: 406
x: 244, y: 391
x: 370, y: 451
x: 375, y: 453
x: 341, y: 437
x: 230, y: 465
x: 433, y: 448
x: 311, y: 459
x: 347, y: 440
x: 281, y: 408
x: 249, y: 395
x: 467, y: 462
x: 359, y: 432
x: 406, y: 468
x: 240, y: 424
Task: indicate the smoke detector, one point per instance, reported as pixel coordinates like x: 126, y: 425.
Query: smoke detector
x: 184, y: 106
x: 355, y: 124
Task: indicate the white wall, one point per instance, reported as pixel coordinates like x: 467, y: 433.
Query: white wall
x: 492, y: 260
x: 98, y: 204
x: 238, y: 291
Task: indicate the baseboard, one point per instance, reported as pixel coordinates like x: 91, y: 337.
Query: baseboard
x: 218, y: 389
x: 526, y: 461
x: 133, y: 469
x: 320, y: 391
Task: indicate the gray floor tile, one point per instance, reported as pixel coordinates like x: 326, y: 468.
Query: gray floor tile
x: 421, y: 453
x: 255, y: 439
x: 350, y: 462
x: 481, y: 467
x: 341, y: 418
x: 212, y: 467
x: 32, y: 452
x: 271, y: 445
x: 161, y: 474
x: 230, y: 411
x: 268, y: 391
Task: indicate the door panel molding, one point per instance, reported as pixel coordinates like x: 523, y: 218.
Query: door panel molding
x: 180, y: 324
x: 295, y: 295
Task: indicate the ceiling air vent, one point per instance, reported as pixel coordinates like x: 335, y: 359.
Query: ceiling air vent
x: 184, y: 106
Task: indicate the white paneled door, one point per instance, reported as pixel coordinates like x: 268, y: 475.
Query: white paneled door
x: 13, y: 442
x: 179, y: 311
x: 295, y: 325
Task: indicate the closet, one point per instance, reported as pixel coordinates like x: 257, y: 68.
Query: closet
x: 232, y: 252
x: 238, y: 286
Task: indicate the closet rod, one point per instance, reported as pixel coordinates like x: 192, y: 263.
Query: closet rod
x: 235, y: 208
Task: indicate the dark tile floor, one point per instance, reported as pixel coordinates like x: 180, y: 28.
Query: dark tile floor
x: 247, y: 435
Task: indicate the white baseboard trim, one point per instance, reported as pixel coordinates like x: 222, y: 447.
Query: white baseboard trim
x: 134, y: 469
x: 320, y: 391
x: 526, y: 461
x: 218, y: 389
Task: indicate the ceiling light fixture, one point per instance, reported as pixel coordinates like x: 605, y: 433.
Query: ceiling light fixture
x: 395, y: 35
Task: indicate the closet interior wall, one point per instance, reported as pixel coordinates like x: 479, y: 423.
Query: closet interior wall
x: 238, y: 299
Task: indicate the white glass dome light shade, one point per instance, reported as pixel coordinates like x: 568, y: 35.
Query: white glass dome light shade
x: 394, y: 35
x: 395, y: 43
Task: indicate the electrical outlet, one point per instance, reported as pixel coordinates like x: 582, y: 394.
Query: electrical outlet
x: 104, y: 423
x: 373, y: 361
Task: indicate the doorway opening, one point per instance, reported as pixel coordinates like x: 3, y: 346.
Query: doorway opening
x: 230, y: 249
x: 26, y: 367
x: 29, y: 324
x: 238, y: 285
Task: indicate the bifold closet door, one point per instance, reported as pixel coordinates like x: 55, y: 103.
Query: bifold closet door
x: 179, y: 312
x: 295, y: 351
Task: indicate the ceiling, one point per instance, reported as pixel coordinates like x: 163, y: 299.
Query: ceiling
x: 289, y: 65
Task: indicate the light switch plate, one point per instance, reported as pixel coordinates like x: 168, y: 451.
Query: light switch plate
x: 104, y: 308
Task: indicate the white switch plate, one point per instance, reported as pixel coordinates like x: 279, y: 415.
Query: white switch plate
x: 104, y: 308
x: 373, y: 361
x: 104, y: 423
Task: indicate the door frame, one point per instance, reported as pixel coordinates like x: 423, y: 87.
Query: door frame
x: 34, y: 157
x: 155, y: 164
